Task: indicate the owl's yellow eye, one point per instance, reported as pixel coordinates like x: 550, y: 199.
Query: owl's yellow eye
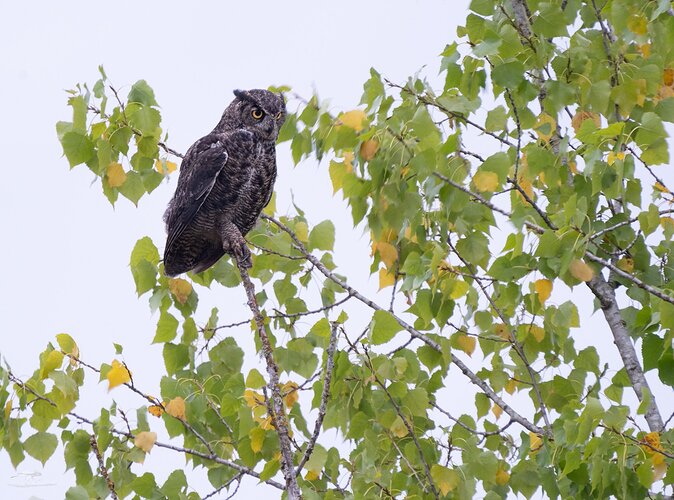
x: 257, y: 113
x: 279, y: 115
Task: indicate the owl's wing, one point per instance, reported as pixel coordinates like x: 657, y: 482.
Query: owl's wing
x: 199, y: 171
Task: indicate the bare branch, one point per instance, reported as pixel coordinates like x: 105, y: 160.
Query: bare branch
x: 621, y: 338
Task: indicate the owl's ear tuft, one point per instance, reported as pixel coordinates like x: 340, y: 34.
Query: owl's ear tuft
x: 242, y: 94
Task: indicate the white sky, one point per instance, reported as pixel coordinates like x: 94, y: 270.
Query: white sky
x: 67, y: 251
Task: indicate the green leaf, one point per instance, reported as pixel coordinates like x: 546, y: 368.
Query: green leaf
x: 322, y: 236
x: 321, y: 328
x: 77, y: 493
x: 167, y: 328
x: 175, y: 357
x: 41, y: 446
x: 77, y: 147
x: 384, y: 327
x: 509, y: 74
x: 144, y: 249
x: 446, y: 479
x: 255, y: 380
x: 146, y: 120
x: 144, y: 485
x: 141, y: 92
x: 133, y: 188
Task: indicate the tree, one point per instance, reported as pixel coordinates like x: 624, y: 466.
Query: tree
x: 479, y: 253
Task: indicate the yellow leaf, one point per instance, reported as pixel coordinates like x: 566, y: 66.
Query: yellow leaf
x: 353, y: 119
x: 117, y: 375
x: 291, y: 394
x: 156, y: 410
x: 165, y: 166
x: 368, y: 149
x: 645, y: 49
x: 545, y: 127
x: 543, y: 289
x: 652, y: 439
x: 8, y: 408
x: 253, y: 398
x: 466, y: 343
x: 485, y: 181
x: 502, y: 331
x: 535, y: 443
x: 502, y: 477
x: 266, y: 424
x: 626, y: 264
x: 664, y: 92
x: 580, y: 270
x: 497, y: 411
x: 613, y: 156
x: 387, y: 252
x: 537, y: 332
x: 302, y: 231
x: 386, y: 278
x: 176, y: 408
x: 257, y: 436
x: 659, y: 470
x: 115, y: 174
x: 180, y: 288
x: 668, y: 77
x: 581, y: 116
x: 145, y: 440
x: 659, y: 187
x: 311, y: 475
x: 526, y: 186
x: 511, y: 386
x: 637, y: 24
x: 398, y: 427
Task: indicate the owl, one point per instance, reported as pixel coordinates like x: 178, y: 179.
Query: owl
x: 226, y: 179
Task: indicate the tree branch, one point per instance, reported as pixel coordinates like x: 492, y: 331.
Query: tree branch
x: 278, y: 412
x: 621, y: 338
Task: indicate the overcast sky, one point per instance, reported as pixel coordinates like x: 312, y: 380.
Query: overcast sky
x: 65, y: 250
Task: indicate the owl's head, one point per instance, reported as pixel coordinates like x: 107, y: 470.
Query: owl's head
x: 259, y: 111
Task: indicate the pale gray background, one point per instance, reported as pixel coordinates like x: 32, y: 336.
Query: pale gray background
x: 65, y: 250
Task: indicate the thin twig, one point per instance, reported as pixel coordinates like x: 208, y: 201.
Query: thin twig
x: 329, y: 366
x: 101, y: 466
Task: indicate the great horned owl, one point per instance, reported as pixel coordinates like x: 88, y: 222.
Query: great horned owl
x: 226, y: 179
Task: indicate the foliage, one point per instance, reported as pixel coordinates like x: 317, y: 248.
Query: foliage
x: 567, y: 102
